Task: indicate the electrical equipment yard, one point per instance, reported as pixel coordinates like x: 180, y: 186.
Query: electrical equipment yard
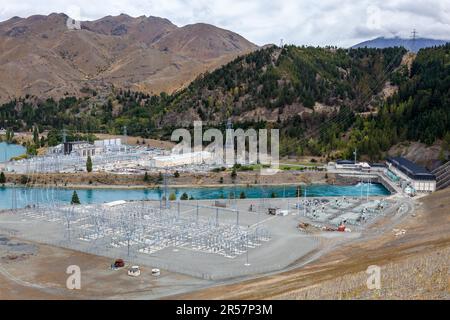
x: 199, y: 239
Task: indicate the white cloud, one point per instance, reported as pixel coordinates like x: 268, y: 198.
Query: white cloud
x: 336, y: 22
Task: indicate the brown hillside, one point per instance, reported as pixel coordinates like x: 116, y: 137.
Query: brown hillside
x: 40, y: 56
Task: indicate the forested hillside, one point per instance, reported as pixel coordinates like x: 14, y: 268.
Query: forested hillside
x: 282, y: 83
x: 288, y: 81
x: 420, y: 111
x: 325, y: 101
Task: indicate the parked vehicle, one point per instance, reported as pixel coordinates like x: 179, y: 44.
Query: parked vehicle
x: 156, y: 272
x: 119, y: 263
x: 134, y: 271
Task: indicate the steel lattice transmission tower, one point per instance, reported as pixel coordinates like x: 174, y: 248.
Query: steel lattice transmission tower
x: 414, y: 34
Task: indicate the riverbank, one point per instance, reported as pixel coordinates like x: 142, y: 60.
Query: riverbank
x: 99, y: 180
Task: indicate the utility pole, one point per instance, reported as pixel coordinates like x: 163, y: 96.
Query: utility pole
x: 362, y: 186
x: 229, y: 144
x: 304, y: 204
x: 125, y: 137
x: 355, y: 154
x: 368, y: 186
x: 14, y: 198
x: 165, y: 189
x: 235, y: 195
x: 196, y: 218
x: 247, y: 263
x: 217, y: 217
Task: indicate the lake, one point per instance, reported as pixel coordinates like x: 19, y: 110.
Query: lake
x: 25, y: 196
x: 8, y: 151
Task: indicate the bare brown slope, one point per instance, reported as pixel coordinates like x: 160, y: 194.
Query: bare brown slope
x: 428, y: 231
x: 142, y: 29
x: 40, y: 56
x: 203, y: 41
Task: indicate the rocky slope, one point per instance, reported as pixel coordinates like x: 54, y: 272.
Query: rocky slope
x: 41, y: 56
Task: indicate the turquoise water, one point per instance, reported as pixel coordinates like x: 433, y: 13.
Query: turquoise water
x: 26, y: 196
x: 8, y: 151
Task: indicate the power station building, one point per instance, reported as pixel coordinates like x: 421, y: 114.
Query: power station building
x: 175, y: 160
x: 85, y: 149
x: 410, y: 175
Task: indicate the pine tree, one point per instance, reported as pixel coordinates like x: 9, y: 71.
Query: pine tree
x: 36, y: 137
x: 75, y: 199
x: 9, y: 136
x: 2, y: 177
x: 242, y: 195
x: 184, y: 196
x: 146, y: 177
x: 42, y: 142
x: 89, y: 164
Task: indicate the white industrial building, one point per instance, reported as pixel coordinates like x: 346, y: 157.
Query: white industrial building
x: 416, y: 177
x: 85, y: 149
x: 108, y: 145
x: 350, y: 165
x: 175, y: 160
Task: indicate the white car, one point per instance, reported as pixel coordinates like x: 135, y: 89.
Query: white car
x: 156, y: 272
x: 134, y: 271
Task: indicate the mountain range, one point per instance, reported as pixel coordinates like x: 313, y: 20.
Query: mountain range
x: 41, y: 56
x: 409, y: 44
x: 325, y: 101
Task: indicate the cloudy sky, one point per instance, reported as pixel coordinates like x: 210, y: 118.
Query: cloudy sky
x: 324, y: 22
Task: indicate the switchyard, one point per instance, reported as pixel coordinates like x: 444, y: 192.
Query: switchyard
x: 200, y: 238
x: 58, y: 163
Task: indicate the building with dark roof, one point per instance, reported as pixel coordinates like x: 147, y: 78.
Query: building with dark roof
x: 416, y: 176
x: 350, y: 165
x: 345, y: 162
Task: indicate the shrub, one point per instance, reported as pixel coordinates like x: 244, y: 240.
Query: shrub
x: 75, y: 199
x: 233, y: 174
x: 23, y: 179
